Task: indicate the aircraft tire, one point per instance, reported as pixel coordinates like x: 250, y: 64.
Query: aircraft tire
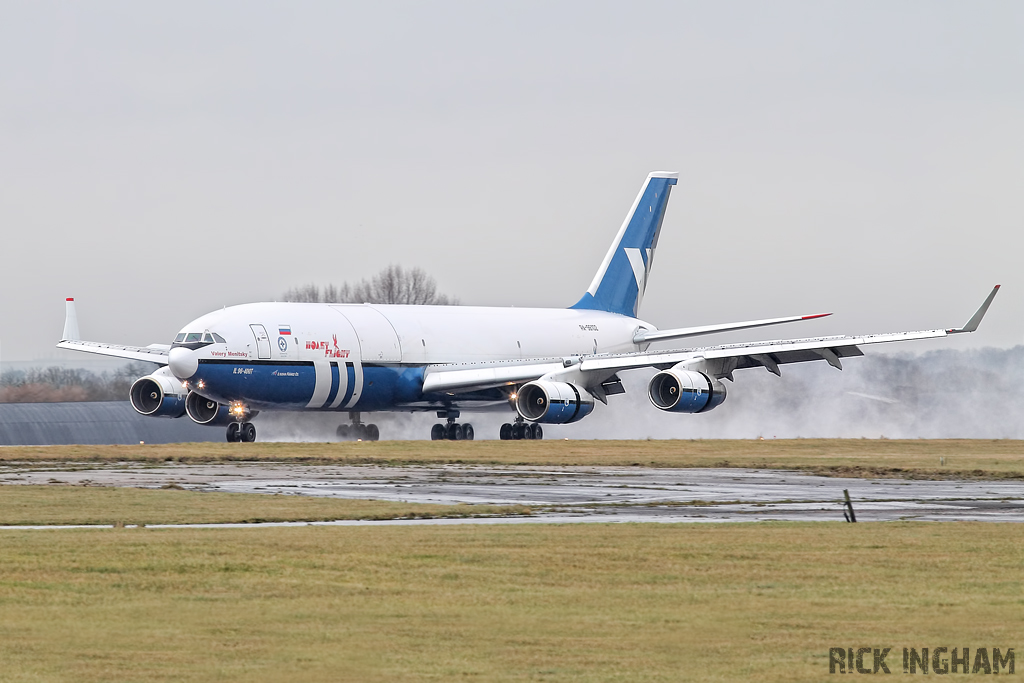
x: 437, y: 432
x: 248, y: 432
x: 538, y: 431
x: 505, y: 433
x: 233, y: 435
x: 343, y: 432
x: 372, y: 433
x: 517, y: 431
x: 454, y: 432
x: 468, y: 432
x: 359, y: 432
x: 528, y: 431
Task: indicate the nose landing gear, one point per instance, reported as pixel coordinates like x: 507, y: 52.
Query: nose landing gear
x: 451, y: 430
x: 520, y: 429
x: 357, y: 431
x: 241, y: 429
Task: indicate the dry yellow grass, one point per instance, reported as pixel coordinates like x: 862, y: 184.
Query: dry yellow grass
x: 99, y: 505
x: 858, y: 457
x: 653, y: 602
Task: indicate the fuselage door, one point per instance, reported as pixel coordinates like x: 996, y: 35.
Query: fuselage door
x: 378, y: 341
x: 262, y: 341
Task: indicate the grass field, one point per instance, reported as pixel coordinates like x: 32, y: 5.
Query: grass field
x: 954, y: 458
x: 101, y: 505
x: 514, y: 603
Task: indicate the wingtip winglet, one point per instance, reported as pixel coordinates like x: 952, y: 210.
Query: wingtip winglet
x: 975, y: 320
x: 70, y: 321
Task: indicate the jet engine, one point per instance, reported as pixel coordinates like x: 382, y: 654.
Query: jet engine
x: 205, y: 411
x: 685, y: 391
x: 158, y: 395
x: 553, y: 402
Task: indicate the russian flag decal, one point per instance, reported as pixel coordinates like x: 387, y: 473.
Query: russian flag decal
x: 284, y: 329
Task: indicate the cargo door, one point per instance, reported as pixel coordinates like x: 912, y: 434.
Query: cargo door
x: 262, y: 341
x: 378, y: 341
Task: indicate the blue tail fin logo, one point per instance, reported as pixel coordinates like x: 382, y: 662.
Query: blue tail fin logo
x: 621, y: 280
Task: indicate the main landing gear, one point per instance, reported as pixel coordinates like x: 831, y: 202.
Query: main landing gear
x: 451, y: 430
x: 357, y: 431
x: 521, y: 429
x: 241, y: 431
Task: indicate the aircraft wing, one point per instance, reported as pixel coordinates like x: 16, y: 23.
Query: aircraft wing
x: 155, y: 353
x: 720, y: 361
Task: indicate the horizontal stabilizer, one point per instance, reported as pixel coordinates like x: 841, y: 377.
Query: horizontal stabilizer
x: 647, y: 336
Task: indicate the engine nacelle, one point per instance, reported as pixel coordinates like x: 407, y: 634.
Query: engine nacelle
x: 158, y: 395
x: 685, y: 391
x: 205, y: 411
x: 553, y: 402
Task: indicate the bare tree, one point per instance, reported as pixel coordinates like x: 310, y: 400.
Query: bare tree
x: 393, y: 285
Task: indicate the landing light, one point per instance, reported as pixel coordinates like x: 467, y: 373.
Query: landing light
x: 201, y: 384
x: 512, y: 396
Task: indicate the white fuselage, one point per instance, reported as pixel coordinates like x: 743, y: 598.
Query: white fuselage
x: 334, y: 352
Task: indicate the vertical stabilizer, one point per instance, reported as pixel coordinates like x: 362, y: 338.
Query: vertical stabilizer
x: 619, y: 284
x: 70, y: 322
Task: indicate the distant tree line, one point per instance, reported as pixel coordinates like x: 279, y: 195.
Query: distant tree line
x: 56, y: 384
x: 393, y: 285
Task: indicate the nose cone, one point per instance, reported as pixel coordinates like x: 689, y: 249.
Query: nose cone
x: 183, y: 362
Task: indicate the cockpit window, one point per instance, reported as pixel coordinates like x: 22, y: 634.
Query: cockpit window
x: 219, y: 339
x: 196, y: 340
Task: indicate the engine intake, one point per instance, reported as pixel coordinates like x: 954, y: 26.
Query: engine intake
x: 553, y: 402
x: 206, y: 411
x: 685, y: 391
x: 158, y: 395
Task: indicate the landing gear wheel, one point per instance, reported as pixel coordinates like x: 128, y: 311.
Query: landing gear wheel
x: 517, y: 431
x: 248, y: 432
x: 437, y: 432
x: 505, y: 433
x: 343, y: 432
x: 528, y: 431
x: 538, y: 431
x: 233, y: 432
x: 468, y: 432
x: 372, y: 433
x: 454, y: 432
x: 359, y: 432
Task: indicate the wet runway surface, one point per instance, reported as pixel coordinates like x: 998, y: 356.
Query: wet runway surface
x: 580, y: 494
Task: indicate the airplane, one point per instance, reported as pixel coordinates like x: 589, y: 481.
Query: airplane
x: 543, y: 365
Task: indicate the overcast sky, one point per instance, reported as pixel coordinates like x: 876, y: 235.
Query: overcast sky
x: 158, y: 161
